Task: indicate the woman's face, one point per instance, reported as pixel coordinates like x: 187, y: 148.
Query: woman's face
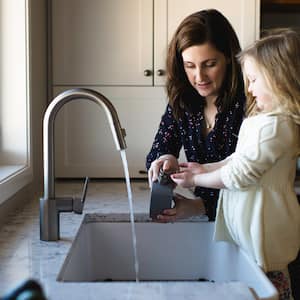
x: 205, y: 68
x: 257, y: 85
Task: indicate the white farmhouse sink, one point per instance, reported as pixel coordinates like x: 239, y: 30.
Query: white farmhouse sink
x: 182, y: 251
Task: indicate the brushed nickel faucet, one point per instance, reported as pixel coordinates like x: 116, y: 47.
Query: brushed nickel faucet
x: 50, y: 205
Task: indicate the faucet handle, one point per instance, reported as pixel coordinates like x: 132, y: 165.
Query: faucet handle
x: 79, y: 203
x: 84, y: 191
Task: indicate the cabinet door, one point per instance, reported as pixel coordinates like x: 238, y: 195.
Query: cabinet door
x: 242, y: 14
x: 84, y: 144
x: 102, y: 42
x: 160, y: 40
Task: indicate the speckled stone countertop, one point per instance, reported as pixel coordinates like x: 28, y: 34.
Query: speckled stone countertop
x: 24, y: 256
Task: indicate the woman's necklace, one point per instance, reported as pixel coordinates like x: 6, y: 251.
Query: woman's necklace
x: 209, y: 122
x: 208, y: 125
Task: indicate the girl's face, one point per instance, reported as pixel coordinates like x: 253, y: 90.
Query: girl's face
x: 258, y: 86
x: 205, y: 68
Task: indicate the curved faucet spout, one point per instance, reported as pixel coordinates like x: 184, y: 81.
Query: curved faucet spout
x: 48, y: 143
x: 117, y: 131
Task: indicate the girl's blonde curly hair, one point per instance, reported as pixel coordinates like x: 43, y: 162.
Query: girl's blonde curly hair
x: 277, y: 56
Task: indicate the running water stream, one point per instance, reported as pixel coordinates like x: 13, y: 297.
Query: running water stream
x: 129, y: 192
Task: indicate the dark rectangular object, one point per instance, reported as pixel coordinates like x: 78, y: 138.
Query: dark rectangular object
x: 161, y: 198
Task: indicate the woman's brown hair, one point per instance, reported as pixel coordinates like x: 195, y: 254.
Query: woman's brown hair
x: 205, y: 26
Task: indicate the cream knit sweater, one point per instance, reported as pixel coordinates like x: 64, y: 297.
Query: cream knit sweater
x: 259, y: 210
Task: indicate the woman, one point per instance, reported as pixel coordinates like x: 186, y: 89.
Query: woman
x: 206, y: 105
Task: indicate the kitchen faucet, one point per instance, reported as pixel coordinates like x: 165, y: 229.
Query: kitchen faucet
x: 51, y: 206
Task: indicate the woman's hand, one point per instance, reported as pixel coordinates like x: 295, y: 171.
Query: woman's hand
x: 185, y: 179
x: 167, y: 162
x: 184, y: 208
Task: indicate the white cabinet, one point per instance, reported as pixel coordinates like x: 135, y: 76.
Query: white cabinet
x: 118, y: 47
x: 242, y: 14
x: 102, y: 42
x: 123, y: 42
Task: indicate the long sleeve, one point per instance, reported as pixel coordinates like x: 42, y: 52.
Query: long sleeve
x: 167, y: 139
x: 259, y: 147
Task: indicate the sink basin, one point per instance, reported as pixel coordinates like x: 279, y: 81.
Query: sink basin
x: 181, y: 251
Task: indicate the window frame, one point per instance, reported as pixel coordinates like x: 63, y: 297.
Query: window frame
x: 16, y: 173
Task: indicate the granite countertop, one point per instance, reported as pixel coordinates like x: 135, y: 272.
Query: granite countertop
x: 23, y: 255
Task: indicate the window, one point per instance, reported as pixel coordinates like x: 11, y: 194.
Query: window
x: 15, y: 170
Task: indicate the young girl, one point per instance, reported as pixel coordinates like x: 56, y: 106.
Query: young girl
x: 258, y: 208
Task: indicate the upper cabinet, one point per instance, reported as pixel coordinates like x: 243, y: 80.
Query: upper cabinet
x: 102, y: 42
x: 124, y: 42
x: 242, y: 14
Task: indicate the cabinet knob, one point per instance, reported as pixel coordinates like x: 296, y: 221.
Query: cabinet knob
x: 147, y: 73
x: 160, y: 72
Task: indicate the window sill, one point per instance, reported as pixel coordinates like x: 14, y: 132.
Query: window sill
x: 12, y: 179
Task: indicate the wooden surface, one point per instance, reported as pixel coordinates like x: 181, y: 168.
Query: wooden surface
x: 280, y: 6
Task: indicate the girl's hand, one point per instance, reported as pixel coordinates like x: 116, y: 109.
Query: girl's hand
x: 167, y: 162
x: 193, y: 167
x: 184, y: 179
x: 184, y: 208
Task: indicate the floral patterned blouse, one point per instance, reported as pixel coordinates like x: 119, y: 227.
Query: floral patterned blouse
x: 187, y: 132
